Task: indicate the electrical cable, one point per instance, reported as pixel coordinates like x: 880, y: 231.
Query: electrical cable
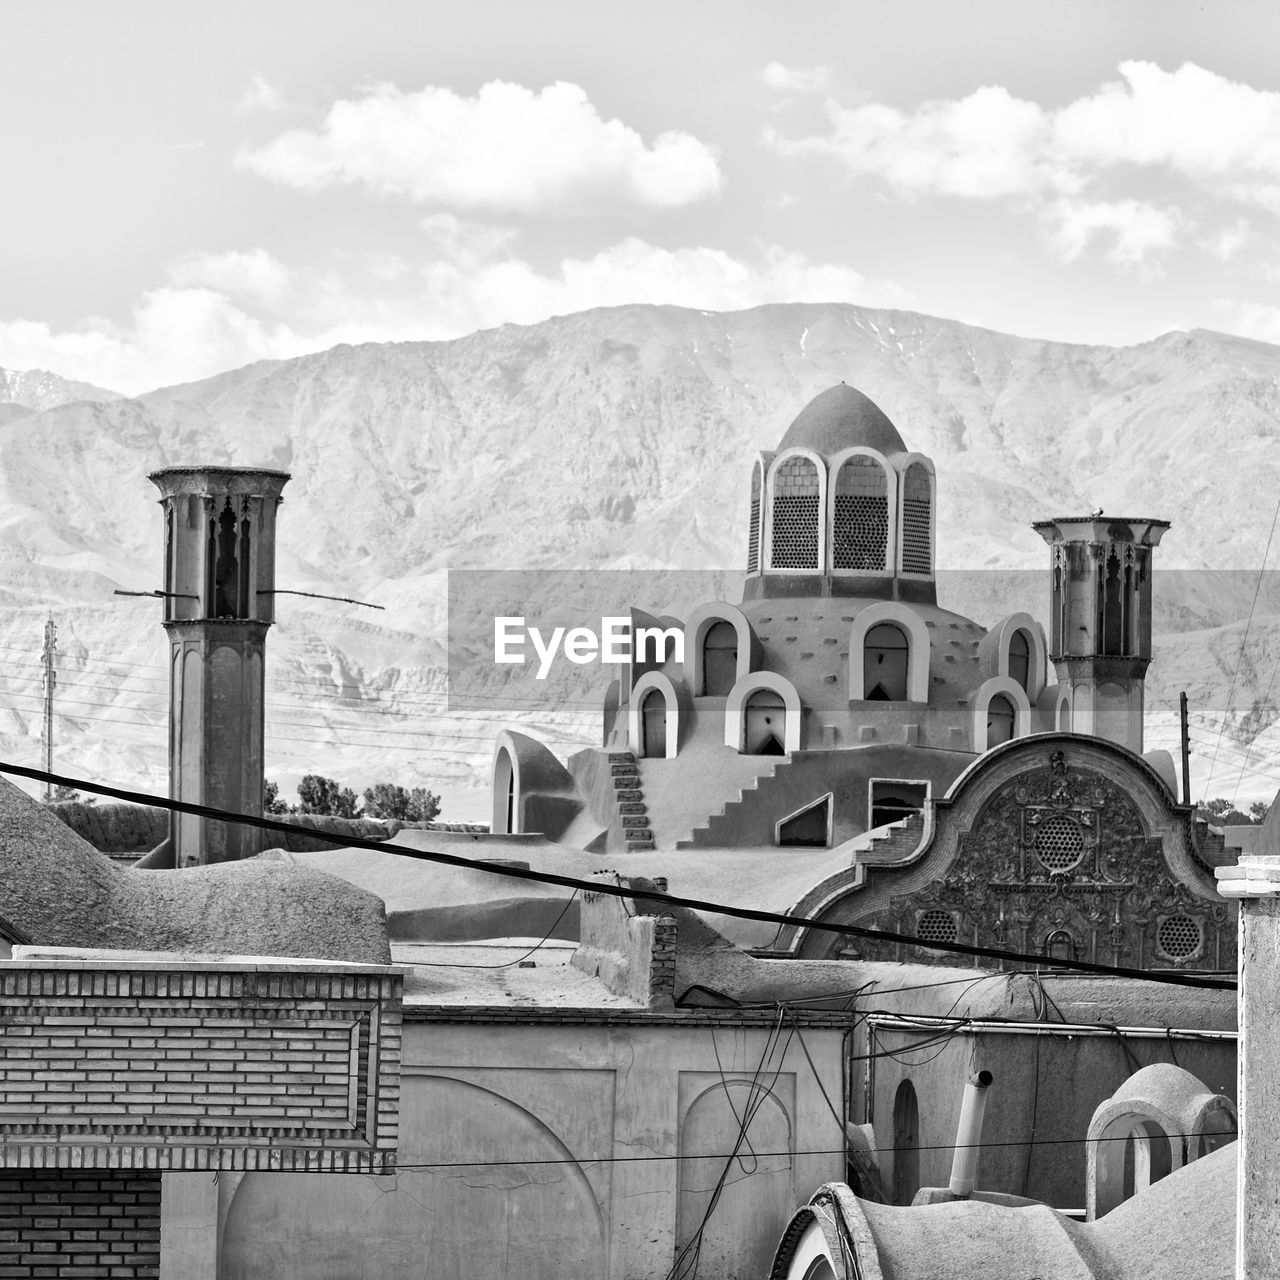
x: 616, y: 891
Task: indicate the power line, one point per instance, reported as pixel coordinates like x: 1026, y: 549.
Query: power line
x: 618, y: 891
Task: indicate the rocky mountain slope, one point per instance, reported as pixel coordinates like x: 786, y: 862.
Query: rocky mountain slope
x: 611, y: 439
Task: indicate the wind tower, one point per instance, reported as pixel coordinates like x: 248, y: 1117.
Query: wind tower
x: 219, y: 581
x: 1100, y: 610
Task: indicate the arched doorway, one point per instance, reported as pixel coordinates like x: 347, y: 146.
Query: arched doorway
x: 906, y: 1144
x: 719, y: 660
x: 884, y: 664
x: 1020, y: 659
x: 653, y: 725
x: 1001, y: 718
x: 765, y: 730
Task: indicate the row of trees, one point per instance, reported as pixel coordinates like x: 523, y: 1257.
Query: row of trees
x: 1222, y: 813
x: 320, y: 795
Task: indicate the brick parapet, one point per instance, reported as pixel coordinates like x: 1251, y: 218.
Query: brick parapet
x: 199, y: 1065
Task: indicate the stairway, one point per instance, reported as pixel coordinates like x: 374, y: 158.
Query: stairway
x: 633, y: 815
x: 709, y: 833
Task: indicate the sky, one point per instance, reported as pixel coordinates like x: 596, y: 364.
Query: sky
x: 188, y: 189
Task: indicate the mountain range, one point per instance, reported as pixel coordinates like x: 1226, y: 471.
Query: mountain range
x: 619, y: 438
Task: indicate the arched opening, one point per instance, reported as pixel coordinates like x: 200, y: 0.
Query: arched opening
x: 1111, y: 623
x: 1001, y: 718
x: 505, y: 820
x: 906, y: 1144
x: 719, y: 660
x: 753, y: 528
x: 796, y: 489
x: 653, y: 725
x: 860, y: 520
x: 1216, y: 1130
x: 1020, y: 659
x: 1059, y: 945
x: 765, y: 727
x: 808, y: 828
x: 1064, y: 715
x: 1146, y: 1157
x: 884, y: 664
x: 917, y: 522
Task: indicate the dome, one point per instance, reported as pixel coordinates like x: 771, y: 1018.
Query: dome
x: 839, y: 418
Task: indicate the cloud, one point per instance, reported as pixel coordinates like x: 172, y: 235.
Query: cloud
x: 984, y: 146
x: 469, y: 242
x: 1228, y: 241
x: 507, y: 149
x: 181, y: 333
x: 261, y: 96
x: 1218, y: 138
x: 1259, y: 320
x: 1141, y: 234
x: 252, y: 275
x: 796, y: 79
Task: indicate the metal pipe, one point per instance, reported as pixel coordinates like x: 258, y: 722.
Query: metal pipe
x: 964, y: 1164
x: 927, y: 1022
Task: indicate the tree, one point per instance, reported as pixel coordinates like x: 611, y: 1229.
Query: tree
x: 324, y: 796
x: 62, y: 793
x: 271, y: 801
x: 1222, y: 813
x: 391, y: 800
x: 1258, y: 811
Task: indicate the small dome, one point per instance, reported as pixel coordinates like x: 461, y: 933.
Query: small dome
x: 839, y: 418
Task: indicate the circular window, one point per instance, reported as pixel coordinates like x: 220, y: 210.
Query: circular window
x: 1059, y: 843
x: 936, y: 926
x: 1178, y: 937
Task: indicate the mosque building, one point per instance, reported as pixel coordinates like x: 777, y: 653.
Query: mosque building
x: 973, y: 784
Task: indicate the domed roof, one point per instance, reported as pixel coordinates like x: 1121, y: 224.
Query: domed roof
x: 839, y: 418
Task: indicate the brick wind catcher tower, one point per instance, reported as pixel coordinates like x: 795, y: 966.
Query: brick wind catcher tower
x: 219, y: 583
x: 1100, y: 610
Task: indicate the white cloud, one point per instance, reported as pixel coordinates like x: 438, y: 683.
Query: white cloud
x: 1226, y: 242
x: 178, y: 334
x: 1141, y: 234
x: 463, y: 241
x: 253, y: 275
x: 507, y: 148
x: 261, y: 96
x: 987, y: 145
x: 796, y: 79
x: 1259, y: 320
x: 1216, y: 138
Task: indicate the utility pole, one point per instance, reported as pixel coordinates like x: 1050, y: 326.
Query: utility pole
x: 50, y: 680
x: 1186, y: 750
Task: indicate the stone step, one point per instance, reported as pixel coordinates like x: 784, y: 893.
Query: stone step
x: 624, y: 769
x: 633, y: 806
x: 622, y: 757
x: 635, y: 821
x: 627, y: 782
x: 638, y: 846
x: 628, y: 795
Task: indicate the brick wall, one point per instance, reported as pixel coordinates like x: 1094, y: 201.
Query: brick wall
x: 172, y: 1065
x: 64, y: 1224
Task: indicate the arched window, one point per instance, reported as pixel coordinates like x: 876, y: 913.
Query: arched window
x: 1111, y: 622
x: 1064, y: 715
x: 795, y: 515
x: 653, y: 719
x: 753, y: 527
x: 884, y: 664
x: 1020, y: 659
x: 917, y: 522
x: 1059, y: 945
x: 906, y: 1144
x: 860, y: 525
x: 719, y: 659
x: 505, y: 816
x: 1000, y: 720
x: 766, y: 724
